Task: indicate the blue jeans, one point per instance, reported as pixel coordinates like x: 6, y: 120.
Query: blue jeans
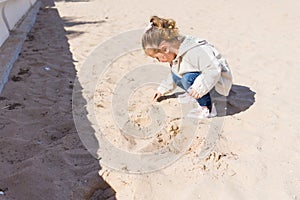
x: 187, y: 81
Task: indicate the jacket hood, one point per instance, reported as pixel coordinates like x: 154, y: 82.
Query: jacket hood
x: 188, y: 43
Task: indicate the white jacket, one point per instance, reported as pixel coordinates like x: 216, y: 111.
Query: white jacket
x: 197, y: 55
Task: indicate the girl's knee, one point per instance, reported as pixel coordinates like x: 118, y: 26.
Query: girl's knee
x: 189, y: 78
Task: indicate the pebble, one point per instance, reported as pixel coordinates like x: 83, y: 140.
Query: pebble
x: 39, y: 142
x: 47, y: 68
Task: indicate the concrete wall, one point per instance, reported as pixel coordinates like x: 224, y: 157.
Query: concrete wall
x: 4, y: 33
x: 11, y: 12
x: 14, y: 11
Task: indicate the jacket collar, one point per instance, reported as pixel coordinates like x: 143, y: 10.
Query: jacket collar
x: 188, y: 43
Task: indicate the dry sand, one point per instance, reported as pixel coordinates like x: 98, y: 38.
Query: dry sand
x: 256, y: 155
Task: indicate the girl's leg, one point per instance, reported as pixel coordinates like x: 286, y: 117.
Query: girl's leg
x: 188, y: 80
x: 177, y: 80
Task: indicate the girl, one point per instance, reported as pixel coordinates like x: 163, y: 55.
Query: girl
x: 195, y: 65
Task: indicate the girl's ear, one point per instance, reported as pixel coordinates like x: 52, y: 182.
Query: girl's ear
x: 164, y: 47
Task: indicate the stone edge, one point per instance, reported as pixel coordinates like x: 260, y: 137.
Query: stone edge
x: 11, y: 48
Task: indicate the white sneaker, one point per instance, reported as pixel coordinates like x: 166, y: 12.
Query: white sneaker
x: 185, y: 98
x: 202, y: 112
x: 213, y: 112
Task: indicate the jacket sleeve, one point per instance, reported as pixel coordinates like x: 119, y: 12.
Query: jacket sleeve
x: 209, y: 67
x: 207, y: 79
x: 167, y: 85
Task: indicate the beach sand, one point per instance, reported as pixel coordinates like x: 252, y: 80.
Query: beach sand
x: 255, y: 154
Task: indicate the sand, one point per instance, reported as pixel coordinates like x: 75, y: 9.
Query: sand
x: 42, y: 156
x: 253, y: 155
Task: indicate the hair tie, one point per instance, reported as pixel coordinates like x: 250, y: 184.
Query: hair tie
x: 150, y: 25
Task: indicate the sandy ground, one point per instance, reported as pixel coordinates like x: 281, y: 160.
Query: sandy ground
x: 42, y: 156
x: 256, y: 153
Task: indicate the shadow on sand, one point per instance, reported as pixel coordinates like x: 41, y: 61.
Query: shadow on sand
x: 99, y: 189
x: 239, y: 99
x: 49, y: 161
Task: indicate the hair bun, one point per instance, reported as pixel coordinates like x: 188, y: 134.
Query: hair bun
x: 158, y: 30
x: 171, y: 24
x: 163, y: 23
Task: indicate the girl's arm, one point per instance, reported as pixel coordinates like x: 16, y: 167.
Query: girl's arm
x: 209, y: 66
x: 206, y: 80
x: 167, y: 85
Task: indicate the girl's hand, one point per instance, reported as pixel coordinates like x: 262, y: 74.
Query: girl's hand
x: 156, y: 96
x: 193, y: 93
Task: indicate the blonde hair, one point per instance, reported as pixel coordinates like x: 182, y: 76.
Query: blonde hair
x: 160, y: 30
